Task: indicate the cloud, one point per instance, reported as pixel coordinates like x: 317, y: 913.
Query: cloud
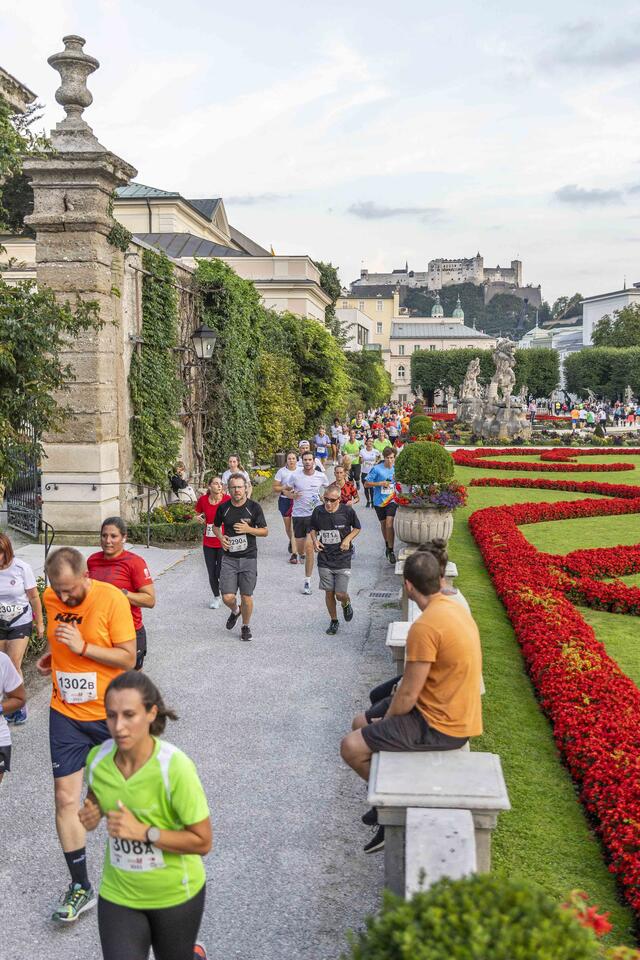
x: 581, y: 44
x: 577, y: 196
x: 370, y: 210
x: 634, y: 189
x: 253, y: 199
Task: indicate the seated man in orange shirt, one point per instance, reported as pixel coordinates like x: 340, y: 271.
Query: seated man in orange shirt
x: 91, y: 639
x: 437, y: 704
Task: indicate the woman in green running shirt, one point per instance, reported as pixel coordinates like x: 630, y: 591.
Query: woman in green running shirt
x: 153, y: 882
x: 352, y: 448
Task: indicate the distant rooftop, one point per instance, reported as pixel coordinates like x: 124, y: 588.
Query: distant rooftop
x: 435, y: 331
x: 140, y: 191
x: 178, y: 245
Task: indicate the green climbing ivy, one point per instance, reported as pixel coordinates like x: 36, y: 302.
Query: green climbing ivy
x: 118, y: 236
x: 156, y: 391
x: 230, y: 306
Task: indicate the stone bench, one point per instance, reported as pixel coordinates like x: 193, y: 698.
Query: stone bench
x: 438, y: 843
x: 451, y: 573
x: 440, y: 780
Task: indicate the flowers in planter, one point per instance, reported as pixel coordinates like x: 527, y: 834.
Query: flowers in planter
x: 424, y: 478
x: 441, y: 496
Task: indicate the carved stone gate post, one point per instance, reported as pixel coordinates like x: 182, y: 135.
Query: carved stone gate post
x: 73, y: 187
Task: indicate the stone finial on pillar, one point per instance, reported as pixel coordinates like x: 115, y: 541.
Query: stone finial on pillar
x: 73, y: 134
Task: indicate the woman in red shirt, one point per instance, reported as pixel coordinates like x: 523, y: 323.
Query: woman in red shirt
x: 128, y: 572
x: 348, y: 491
x: 206, y: 509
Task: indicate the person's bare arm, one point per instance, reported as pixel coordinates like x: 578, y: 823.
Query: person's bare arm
x: 14, y: 700
x: 410, y: 687
x: 193, y: 838
x: 145, y: 596
x: 122, y: 655
x: 36, y: 606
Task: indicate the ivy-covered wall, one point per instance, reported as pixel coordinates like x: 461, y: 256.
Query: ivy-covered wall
x: 154, y: 384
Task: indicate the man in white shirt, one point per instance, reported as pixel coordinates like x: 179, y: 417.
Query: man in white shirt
x: 305, y: 489
x: 305, y: 447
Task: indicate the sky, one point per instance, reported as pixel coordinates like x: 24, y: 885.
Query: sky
x: 371, y: 134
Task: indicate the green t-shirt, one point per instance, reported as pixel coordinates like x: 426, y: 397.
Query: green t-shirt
x: 166, y: 793
x: 381, y: 445
x: 353, y: 449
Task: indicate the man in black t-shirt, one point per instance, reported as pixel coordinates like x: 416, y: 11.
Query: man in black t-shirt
x: 334, y: 527
x: 238, y: 522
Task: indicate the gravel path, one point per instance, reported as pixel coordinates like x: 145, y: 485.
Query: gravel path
x: 287, y: 877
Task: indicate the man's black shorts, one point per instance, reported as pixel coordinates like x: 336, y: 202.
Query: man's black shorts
x: 409, y: 732
x: 71, y: 740
x: 5, y: 759
x: 301, y: 527
x: 16, y: 633
x: 388, y: 511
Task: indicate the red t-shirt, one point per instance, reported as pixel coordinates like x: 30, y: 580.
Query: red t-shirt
x: 127, y: 571
x: 209, y: 509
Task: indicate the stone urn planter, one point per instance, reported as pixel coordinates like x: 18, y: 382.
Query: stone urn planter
x: 415, y: 525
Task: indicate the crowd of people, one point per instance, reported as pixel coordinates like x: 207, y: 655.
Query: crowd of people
x: 106, y: 718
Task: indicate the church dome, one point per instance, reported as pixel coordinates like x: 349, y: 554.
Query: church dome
x: 436, y: 310
x: 458, y: 313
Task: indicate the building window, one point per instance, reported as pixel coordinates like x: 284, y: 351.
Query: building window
x: 401, y: 350
x: 345, y: 304
x: 361, y: 305
x: 378, y: 327
x: 401, y: 372
x: 416, y: 346
x: 379, y: 305
x: 432, y: 346
x: 402, y: 398
x: 363, y: 335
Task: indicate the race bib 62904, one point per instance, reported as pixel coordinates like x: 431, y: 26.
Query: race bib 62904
x: 134, y: 856
x: 77, y: 687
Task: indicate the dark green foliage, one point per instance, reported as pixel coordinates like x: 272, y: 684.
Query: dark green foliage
x: 420, y: 427
x: 370, y: 382
x: 423, y: 463
x: 621, y: 330
x: 501, y: 315
x: 437, y: 369
x: 156, y: 391
x: 330, y: 283
x: 230, y: 306
x: 17, y: 140
x: 477, y: 918
x: 605, y: 370
x: 119, y: 237
x: 34, y: 333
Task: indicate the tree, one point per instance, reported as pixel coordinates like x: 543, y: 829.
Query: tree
x: 608, y: 371
x: 621, y: 330
x: 433, y: 370
x: 502, y: 315
x: 565, y: 307
x: 17, y: 140
x: 370, y: 383
x: 280, y: 413
x: 539, y: 370
x: 34, y: 334
x: 330, y: 283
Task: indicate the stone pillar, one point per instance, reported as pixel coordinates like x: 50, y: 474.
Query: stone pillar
x: 72, y: 187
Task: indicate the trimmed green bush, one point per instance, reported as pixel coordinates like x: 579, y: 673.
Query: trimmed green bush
x: 472, y: 919
x: 423, y: 463
x: 421, y: 427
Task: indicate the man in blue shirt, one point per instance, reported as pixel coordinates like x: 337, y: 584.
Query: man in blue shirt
x: 382, y: 479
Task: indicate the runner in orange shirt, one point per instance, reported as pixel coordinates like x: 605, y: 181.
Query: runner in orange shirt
x: 91, y: 639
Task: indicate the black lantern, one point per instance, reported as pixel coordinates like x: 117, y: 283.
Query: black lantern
x: 203, y: 340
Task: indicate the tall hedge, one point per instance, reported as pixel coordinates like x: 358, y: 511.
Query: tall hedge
x: 432, y: 370
x: 608, y: 371
x: 280, y: 413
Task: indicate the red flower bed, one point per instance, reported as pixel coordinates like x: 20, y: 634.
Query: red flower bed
x: 593, y: 707
x: 573, y: 486
x: 564, y: 458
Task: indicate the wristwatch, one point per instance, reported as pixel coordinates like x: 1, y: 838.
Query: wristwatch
x: 153, y: 834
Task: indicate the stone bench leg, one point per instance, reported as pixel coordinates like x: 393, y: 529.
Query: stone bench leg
x: 394, y: 839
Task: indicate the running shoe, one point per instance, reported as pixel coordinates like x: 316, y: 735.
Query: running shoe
x: 199, y: 952
x: 376, y: 843
x: 215, y: 603
x: 19, y: 717
x: 332, y: 629
x: 293, y: 558
x: 391, y: 557
x: 245, y: 632
x: 347, y: 611
x: 232, y: 619
x: 370, y: 818
x: 74, y: 902
x: 307, y: 588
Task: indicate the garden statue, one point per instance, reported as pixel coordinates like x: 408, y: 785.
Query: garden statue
x: 471, y: 389
x: 504, y: 379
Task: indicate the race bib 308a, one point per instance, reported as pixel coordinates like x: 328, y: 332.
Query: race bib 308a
x: 134, y: 856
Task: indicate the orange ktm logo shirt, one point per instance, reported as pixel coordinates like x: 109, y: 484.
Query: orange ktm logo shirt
x: 104, y: 619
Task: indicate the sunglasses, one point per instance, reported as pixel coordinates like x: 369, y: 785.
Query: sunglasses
x: 331, y: 499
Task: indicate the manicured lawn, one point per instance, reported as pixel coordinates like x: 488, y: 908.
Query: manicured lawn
x: 546, y: 836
